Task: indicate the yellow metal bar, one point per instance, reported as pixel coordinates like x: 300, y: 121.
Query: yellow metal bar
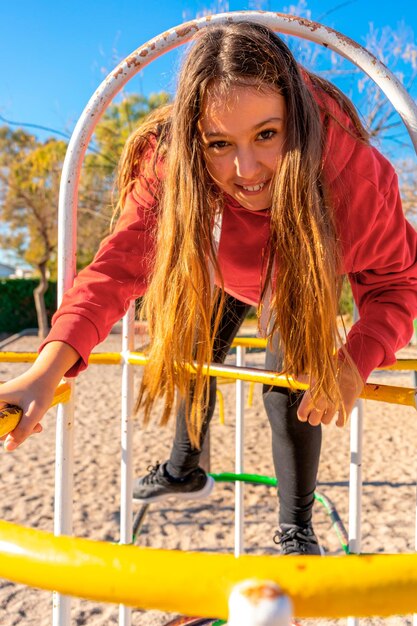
x: 327, y: 587
x: 249, y: 342
x: 250, y: 394
x: 403, y: 364
x: 105, y: 358
x: 18, y: 357
x: 102, y: 358
x: 220, y: 401
x: 114, y: 358
x: 382, y: 393
x: 371, y: 391
x: 137, y: 358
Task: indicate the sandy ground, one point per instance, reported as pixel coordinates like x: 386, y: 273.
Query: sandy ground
x: 27, y: 476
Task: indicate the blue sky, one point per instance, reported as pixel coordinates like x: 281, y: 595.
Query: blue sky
x: 53, y: 54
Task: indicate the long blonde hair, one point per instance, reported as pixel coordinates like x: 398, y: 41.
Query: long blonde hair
x: 304, y: 258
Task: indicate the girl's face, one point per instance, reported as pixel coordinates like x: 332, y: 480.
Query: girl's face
x: 243, y: 137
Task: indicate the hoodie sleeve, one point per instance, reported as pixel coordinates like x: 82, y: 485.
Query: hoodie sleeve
x: 380, y: 257
x: 119, y: 273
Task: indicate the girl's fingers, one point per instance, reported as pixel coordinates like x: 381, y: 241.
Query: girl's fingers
x: 315, y: 417
x: 11, y: 443
x: 316, y: 414
x: 342, y: 418
x: 28, y: 425
x: 305, y: 407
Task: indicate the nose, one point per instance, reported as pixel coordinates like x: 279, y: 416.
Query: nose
x: 246, y: 163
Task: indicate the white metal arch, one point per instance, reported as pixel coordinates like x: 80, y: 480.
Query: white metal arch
x: 140, y: 58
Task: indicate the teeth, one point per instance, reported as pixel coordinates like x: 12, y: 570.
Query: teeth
x: 254, y: 188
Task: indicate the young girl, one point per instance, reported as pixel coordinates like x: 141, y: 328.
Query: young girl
x: 256, y: 187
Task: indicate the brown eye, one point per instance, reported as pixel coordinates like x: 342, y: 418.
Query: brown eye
x: 217, y: 145
x: 267, y: 134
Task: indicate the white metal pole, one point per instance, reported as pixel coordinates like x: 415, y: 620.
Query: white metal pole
x: 64, y: 471
x: 126, y: 509
x: 355, y: 479
x: 64, y: 454
x: 239, y: 444
x: 355, y: 485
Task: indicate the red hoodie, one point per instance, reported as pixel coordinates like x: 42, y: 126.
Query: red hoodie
x: 379, y: 250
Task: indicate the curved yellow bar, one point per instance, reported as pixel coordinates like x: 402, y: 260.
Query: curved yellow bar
x: 319, y: 587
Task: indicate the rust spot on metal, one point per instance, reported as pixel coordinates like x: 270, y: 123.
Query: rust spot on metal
x: 302, y: 21
x: 184, y: 30
x: 346, y: 40
x: 257, y: 592
x: 132, y: 60
x: 144, y: 53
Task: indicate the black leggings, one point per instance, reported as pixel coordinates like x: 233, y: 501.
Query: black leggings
x: 295, y: 445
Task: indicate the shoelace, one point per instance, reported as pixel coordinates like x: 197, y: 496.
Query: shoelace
x: 152, y: 471
x: 294, y: 538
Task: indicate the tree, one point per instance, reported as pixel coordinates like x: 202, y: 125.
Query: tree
x: 397, y: 49
x: 96, y: 203
x: 408, y: 181
x: 30, y: 174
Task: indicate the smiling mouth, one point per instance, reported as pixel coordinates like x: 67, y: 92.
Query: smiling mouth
x: 258, y: 187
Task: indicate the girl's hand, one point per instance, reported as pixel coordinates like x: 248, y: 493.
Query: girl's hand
x: 34, y: 390
x: 34, y: 396
x: 323, y: 410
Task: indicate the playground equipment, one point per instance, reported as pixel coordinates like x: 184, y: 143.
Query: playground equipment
x: 348, y: 586
x: 318, y: 587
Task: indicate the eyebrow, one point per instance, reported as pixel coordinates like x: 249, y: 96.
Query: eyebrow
x: 217, y: 133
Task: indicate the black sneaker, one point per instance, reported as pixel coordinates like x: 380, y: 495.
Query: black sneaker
x: 297, y: 540
x: 158, y: 485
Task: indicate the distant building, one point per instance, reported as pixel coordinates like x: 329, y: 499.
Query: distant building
x: 6, y: 271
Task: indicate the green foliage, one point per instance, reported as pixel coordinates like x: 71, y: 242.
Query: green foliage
x: 346, y: 299
x: 17, y: 307
x: 30, y: 179
x: 96, y: 203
